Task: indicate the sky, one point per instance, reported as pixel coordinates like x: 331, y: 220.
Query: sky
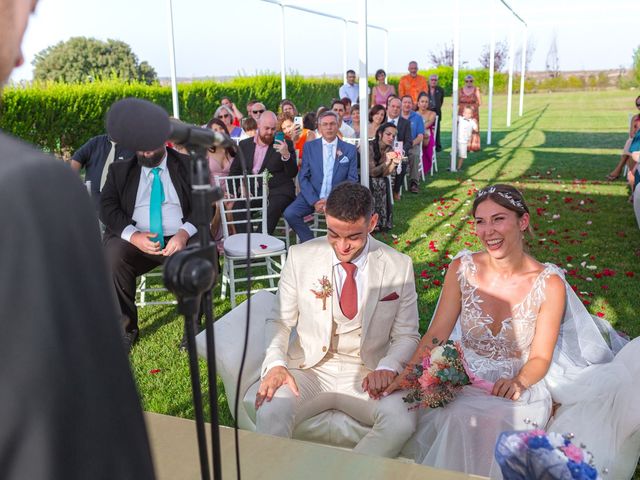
x: 242, y: 37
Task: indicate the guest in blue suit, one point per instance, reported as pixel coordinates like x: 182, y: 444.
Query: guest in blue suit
x: 326, y: 162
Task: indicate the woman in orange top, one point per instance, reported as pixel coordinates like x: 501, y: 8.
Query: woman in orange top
x: 297, y: 134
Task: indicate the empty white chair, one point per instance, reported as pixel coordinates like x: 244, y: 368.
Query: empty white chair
x: 266, y: 250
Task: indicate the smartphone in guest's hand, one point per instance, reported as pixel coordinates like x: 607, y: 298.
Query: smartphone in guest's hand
x: 279, y: 136
x: 297, y: 121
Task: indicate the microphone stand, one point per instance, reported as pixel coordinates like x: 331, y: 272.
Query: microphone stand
x: 190, y: 274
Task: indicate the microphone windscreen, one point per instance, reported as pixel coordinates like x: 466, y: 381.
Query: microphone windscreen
x: 137, y: 124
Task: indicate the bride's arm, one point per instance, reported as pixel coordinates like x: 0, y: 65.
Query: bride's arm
x: 543, y: 344
x: 442, y: 324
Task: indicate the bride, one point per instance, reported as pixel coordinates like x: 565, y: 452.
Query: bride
x: 520, y: 326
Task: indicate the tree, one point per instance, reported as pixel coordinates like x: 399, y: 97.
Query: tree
x: 444, y: 56
x: 500, y: 56
x: 636, y: 65
x: 531, y: 49
x: 553, y: 62
x: 82, y: 59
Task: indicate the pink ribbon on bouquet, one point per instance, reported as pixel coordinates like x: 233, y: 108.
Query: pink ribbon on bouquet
x: 478, y: 382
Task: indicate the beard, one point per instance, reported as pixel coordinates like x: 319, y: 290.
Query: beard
x: 266, y: 138
x: 153, y: 160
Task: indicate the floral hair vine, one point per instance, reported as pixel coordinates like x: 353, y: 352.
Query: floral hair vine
x: 507, y: 196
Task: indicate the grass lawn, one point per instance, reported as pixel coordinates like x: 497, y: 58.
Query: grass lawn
x: 558, y: 154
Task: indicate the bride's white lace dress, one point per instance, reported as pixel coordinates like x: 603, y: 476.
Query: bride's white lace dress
x: 462, y: 435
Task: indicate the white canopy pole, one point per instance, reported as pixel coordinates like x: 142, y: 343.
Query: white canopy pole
x: 522, y: 69
x: 344, y: 51
x: 172, y: 64
x: 510, y: 85
x: 362, y: 86
x: 454, y: 90
x: 283, y: 63
x: 492, y: 64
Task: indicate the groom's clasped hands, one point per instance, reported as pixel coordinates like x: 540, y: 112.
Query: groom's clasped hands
x: 375, y: 383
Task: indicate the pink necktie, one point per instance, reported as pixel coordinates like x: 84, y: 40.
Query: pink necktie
x: 349, y: 294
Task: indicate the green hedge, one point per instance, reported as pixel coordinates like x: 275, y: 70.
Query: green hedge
x: 61, y: 117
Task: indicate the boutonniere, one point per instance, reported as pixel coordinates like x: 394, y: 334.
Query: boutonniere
x: 269, y: 176
x: 338, y: 153
x: 324, y: 290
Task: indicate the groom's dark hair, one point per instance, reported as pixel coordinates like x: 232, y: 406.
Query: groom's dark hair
x: 349, y: 202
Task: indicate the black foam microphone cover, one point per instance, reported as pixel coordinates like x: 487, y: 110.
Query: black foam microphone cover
x: 138, y: 125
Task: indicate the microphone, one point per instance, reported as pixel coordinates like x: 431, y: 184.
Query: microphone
x: 140, y: 125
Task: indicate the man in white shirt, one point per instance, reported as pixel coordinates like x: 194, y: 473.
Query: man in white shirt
x: 350, y: 89
x: 352, y: 301
x: 145, y: 206
x: 345, y: 129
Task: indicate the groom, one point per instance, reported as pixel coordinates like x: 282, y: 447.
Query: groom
x: 352, y: 301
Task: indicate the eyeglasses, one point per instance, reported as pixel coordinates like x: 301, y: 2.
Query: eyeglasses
x: 468, y: 81
x: 257, y: 111
x: 226, y: 115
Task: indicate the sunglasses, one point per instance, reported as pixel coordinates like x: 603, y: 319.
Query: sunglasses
x: 468, y: 81
x: 226, y: 115
x: 257, y: 111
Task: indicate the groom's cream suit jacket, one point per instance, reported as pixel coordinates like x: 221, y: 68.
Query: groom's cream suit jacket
x: 389, y: 318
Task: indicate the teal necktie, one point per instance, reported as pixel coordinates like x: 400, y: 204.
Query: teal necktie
x: 155, y: 207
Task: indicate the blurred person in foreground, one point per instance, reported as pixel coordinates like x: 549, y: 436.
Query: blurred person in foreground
x: 68, y: 404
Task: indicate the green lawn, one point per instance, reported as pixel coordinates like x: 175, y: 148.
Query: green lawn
x: 558, y: 153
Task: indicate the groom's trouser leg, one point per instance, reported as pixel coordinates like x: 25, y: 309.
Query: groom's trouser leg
x: 336, y: 383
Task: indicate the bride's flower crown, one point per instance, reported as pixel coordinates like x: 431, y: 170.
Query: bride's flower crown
x: 507, y: 196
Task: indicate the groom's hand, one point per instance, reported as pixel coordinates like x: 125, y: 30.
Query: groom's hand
x: 272, y: 381
x: 377, y: 381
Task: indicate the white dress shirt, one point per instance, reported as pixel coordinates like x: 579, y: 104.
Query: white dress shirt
x: 171, y: 209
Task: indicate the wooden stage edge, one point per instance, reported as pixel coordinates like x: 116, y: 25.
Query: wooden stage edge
x: 174, y: 448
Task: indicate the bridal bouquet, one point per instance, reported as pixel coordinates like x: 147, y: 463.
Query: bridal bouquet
x: 535, y: 454
x: 436, y: 381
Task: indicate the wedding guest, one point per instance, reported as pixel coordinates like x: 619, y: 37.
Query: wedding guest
x: 331, y: 290
x: 412, y: 83
x: 417, y: 133
x: 429, y: 119
x: 467, y: 126
x: 347, y: 110
x: 469, y: 96
x: 288, y: 107
x: 382, y: 90
x: 263, y: 152
x: 257, y: 109
x: 298, y: 135
x: 220, y: 160
x: 626, y: 159
x: 355, y: 119
x: 226, y: 115
x: 404, y: 136
x: 250, y: 126
x: 345, y: 130
x: 383, y: 161
x: 327, y: 161
x: 377, y: 116
x: 350, y: 89
x: 237, y: 114
x: 436, y: 99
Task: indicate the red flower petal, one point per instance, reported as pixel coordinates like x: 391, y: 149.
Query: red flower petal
x: 154, y: 371
x: 600, y: 314
x: 262, y: 246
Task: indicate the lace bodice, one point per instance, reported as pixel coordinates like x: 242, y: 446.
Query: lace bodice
x: 502, y: 355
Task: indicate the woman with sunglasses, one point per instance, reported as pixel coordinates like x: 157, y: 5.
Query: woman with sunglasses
x: 469, y: 95
x: 225, y: 115
x: 634, y: 126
